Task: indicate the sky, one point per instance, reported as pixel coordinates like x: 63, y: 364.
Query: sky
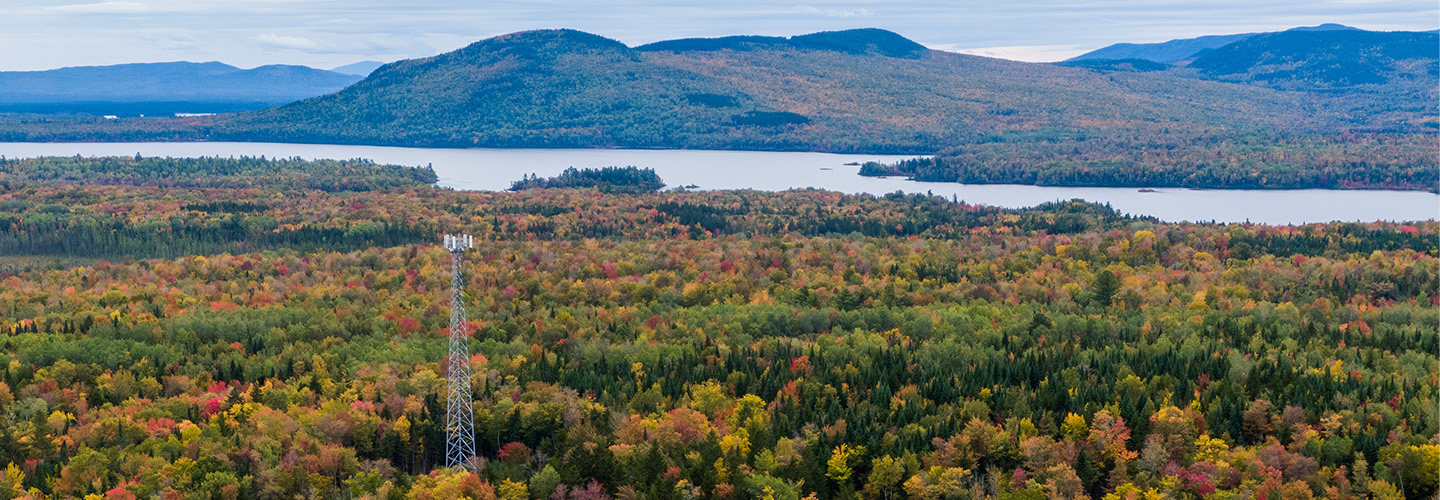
x: 45, y: 34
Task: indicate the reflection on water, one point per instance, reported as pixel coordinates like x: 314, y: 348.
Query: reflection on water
x: 494, y: 169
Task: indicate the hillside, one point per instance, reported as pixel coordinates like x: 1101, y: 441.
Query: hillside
x: 1326, y: 59
x: 1374, y: 96
x: 163, y: 88
x: 1182, y: 49
x: 862, y: 90
x: 868, y: 41
x: 1162, y: 52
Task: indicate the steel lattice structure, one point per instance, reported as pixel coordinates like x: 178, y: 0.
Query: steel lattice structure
x: 459, y: 408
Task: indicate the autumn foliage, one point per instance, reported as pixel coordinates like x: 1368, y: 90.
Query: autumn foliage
x: 722, y: 345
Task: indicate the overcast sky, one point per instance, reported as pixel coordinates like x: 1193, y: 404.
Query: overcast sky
x: 44, y: 34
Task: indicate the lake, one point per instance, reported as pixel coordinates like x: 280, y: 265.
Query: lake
x: 495, y: 169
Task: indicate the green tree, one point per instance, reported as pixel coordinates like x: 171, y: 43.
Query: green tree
x: 1104, y: 287
x: 544, y: 483
x: 885, y: 474
x: 838, y: 466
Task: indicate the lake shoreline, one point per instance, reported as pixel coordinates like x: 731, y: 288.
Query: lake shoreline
x: 494, y: 169
x: 1161, y: 188
x: 1434, y: 190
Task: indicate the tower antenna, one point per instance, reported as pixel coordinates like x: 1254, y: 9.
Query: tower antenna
x: 459, y: 408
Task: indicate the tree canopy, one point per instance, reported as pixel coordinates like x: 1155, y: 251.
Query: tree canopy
x: 724, y: 344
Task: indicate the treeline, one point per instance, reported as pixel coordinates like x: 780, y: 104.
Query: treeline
x: 1352, y: 161
x: 607, y: 179
x: 164, y: 207
x: 47, y: 232
x: 213, y: 172
x: 280, y: 212
x: 25, y: 127
x: 111, y: 222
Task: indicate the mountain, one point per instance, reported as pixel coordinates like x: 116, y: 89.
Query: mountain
x: 1185, y: 48
x: 1326, y: 27
x: 362, y: 68
x: 868, y: 41
x: 1141, y: 65
x: 1367, y: 79
x: 1326, y: 59
x: 1164, y: 52
x: 163, y: 88
x: 859, y: 90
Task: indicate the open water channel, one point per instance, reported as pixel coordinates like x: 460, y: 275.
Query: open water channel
x: 495, y: 169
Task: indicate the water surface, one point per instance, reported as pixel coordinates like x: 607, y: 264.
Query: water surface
x: 495, y: 169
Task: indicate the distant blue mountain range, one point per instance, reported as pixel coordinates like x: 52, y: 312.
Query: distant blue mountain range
x: 1184, y: 48
x: 1325, y: 59
x: 163, y: 88
x: 858, y: 42
x: 362, y: 68
x: 1329, y: 57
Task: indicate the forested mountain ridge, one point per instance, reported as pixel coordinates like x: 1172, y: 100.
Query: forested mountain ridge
x: 1161, y: 52
x: 868, y: 41
x: 1326, y: 59
x: 836, y: 92
x: 537, y: 89
x: 1183, y: 49
x: 1378, y: 91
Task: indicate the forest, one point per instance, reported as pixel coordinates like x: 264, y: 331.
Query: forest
x: 1202, y: 161
x: 266, y: 330
x: 605, y: 179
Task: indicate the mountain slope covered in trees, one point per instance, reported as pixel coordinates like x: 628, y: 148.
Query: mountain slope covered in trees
x: 861, y: 90
x: 1184, y: 49
x: 1326, y: 59
x: 1377, y: 93
x: 1161, y: 52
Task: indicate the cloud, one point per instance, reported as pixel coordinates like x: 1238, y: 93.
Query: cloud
x: 288, y: 42
x: 106, y: 8
x: 1027, y: 53
x: 174, y: 39
x: 834, y: 12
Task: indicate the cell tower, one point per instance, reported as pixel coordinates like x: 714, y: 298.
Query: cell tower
x: 459, y: 409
